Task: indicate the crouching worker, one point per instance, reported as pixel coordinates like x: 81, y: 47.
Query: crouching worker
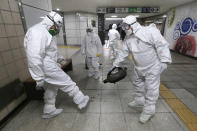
x: 41, y: 50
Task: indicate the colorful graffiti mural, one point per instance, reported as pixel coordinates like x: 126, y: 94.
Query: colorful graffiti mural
x: 185, y: 43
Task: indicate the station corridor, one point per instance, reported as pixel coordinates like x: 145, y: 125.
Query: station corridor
x: 108, y: 109
x: 44, y: 43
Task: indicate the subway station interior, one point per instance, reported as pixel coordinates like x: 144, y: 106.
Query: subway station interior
x: 98, y: 65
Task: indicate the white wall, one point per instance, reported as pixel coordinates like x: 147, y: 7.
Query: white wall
x: 76, y: 24
x: 32, y: 15
x: 181, y: 27
x: 34, y: 9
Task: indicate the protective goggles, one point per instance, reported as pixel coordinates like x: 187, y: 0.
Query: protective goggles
x: 126, y: 26
x: 88, y: 30
x: 57, y: 25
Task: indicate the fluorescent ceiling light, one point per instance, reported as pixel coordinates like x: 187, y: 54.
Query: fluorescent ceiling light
x: 58, y: 9
x: 114, y: 16
x: 78, y: 14
x: 158, y: 22
x: 164, y: 16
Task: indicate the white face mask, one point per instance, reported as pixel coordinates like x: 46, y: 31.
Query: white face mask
x: 128, y: 32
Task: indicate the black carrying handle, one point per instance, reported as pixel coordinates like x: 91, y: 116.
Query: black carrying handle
x: 109, y: 73
x: 124, y: 68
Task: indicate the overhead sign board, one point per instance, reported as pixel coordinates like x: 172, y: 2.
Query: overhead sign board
x: 129, y: 10
x: 101, y: 10
x: 111, y: 10
x: 121, y: 10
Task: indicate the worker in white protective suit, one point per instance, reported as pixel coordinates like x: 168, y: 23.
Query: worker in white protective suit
x: 91, y: 48
x: 151, y: 55
x: 114, y: 36
x: 41, y: 49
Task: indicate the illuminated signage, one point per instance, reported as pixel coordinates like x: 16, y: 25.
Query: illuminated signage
x: 129, y: 10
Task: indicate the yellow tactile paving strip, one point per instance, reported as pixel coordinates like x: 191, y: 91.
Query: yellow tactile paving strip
x: 182, y: 111
x: 72, y: 47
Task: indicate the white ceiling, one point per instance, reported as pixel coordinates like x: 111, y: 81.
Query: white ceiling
x: 91, y: 5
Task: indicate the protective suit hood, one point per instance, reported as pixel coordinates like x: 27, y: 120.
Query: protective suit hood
x: 51, y: 19
x: 132, y: 21
x: 46, y: 22
x: 114, y: 26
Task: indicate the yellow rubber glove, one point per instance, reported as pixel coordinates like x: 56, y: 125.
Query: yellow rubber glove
x: 97, y: 54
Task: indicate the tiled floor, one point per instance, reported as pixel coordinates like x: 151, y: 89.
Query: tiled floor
x: 181, y: 79
x: 108, y: 110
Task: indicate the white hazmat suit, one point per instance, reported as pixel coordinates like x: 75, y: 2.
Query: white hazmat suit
x: 151, y: 54
x: 91, y: 47
x: 42, y: 55
x: 114, y: 36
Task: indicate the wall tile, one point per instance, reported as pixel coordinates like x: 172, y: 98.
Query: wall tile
x: 19, y: 30
x: 12, y: 53
x: 73, y: 41
x: 23, y: 53
x: 72, y: 33
x: 25, y: 63
x: 4, y: 5
x: 84, y: 19
x: 16, y: 18
x: 7, y: 57
x: 24, y: 75
x: 14, y: 76
x: 13, y: 5
x: 2, y: 31
x: 1, y: 20
x: 17, y: 54
x: 7, y: 17
x: 20, y: 65
x: 4, y: 45
x: 10, y: 30
x: 13, y: 42
x: 83, y: 33
x: 83, y: 25
x: 3, y: 73
x: 12, y: 71
x: 80, y: 23
x: 1, y: 60
x: 21, y: 41
x: 72, y: 25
